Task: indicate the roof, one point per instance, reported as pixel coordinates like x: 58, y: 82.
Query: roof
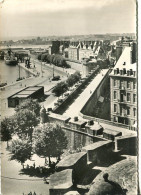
x: 112, y: 132
x: 79, y: 122
x: 123, y: 172
x: 125, y: 58
x: 110, y: 188
x: 61, y: 180
x: 96, y: 127
x: 71, y: 159
x: 96, y: 145
x: 72, y: 193
x: 20, y: 96
x: 60, y: 117
x: 33, y: 88
x: 26, y: 92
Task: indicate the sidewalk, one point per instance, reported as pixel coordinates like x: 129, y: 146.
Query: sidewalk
x: 78, y: 104
x: 15, y: 183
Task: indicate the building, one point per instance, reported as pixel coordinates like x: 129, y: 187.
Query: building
x: 34, y: 92
x: 73, y: 53
x: 123, y: 88
x: 87, y: 49
x: 54, y: 47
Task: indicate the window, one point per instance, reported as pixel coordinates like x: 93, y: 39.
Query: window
x: 115, y: 83
x: 128, y: 97
x: 128, y: 110
x: 134, y: 98
x: 115, y: 108
x: 134, y: 111
x: 128, y: 84
x: 134, y: 85
x: 115, y: 95
x: 122, y: 84
x: 121, y: 110
x: 115, y: 119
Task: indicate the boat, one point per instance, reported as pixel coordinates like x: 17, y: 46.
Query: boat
x: 10, y: 59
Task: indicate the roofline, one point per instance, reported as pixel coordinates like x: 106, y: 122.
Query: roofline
x: 24, y: 89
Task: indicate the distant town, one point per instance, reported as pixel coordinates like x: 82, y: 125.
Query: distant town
x: 69, y: 115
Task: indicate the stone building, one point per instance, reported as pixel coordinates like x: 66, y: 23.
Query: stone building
x: 123, y: 88
x: 87, y: 49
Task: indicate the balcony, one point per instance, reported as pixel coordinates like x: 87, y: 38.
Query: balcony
x: 121, y: 101
x: 122, y: 88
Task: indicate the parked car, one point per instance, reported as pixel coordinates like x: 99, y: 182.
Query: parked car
x: 56, y: 78
x: 66, y: 94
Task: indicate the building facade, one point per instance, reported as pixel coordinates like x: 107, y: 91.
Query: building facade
x: 73, y: 53
x: 123, y: 89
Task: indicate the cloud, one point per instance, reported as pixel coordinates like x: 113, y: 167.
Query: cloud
x: 20, y: 6
x: 60, y: 17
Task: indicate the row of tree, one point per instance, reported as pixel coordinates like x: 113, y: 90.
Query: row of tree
x: 62, y: 87
x: 46, y: 140
x: 55, y: 59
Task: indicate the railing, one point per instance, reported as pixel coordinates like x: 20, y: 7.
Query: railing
x: 122, y: 88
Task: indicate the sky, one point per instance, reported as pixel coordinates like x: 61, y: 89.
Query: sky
x: 66, y: 17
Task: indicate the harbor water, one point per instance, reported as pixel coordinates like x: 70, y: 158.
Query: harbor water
x: 9, y: 74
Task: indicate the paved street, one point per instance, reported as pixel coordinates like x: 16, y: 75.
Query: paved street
x: 44, y: 79
x: 14, y: 183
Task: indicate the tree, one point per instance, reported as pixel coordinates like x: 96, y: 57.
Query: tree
x: 49, y: 141
x: 20, y: 150
x: 39, y: 56
x: 44, y: 57
x: 72, y: 79
x: 60, y: 88
x: 24, y: 123
x: 77, y: 76
x: 6, y: 129
x: 30, y: 104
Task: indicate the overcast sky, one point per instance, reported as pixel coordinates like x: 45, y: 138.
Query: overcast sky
x: 66, y: 17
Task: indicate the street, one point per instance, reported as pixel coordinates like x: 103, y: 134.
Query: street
x: 14, y: 183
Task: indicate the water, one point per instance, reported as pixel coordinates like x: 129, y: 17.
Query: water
x: 9, y: 74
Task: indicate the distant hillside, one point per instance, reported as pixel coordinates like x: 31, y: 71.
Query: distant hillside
x: 90, y: 37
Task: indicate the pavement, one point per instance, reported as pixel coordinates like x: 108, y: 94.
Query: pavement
x: 75, y: 108
x: 14, y: 183
x: 44, y: 79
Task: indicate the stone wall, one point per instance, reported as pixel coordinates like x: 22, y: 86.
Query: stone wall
x: 127, y: 144
x: 59, y: 109
x: 90, y: 105
x: 99, y: 152
x: 77, y: 136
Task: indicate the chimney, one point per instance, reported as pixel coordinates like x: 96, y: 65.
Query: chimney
x: 91, y: 122
x: 124, y: 70
x: 131, y: 72
x: 117, y: 70
x: 128, y: 72
x: 121, y: 72
x: 76, y: 118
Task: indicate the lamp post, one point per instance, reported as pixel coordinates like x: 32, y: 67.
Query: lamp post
x: 53, y: 71
x: 19, y: 68
x: 41, y: 69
